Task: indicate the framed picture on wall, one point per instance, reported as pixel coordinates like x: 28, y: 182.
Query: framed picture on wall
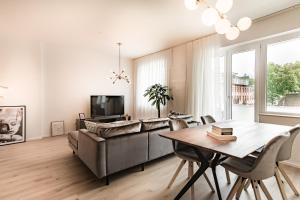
x: 57, y: 128
x: 81, y: 116
x: 12, y: 124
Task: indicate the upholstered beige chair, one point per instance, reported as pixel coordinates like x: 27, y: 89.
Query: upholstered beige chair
x: 285, y: 154
x: 256, y: 169
x: 186, y: 154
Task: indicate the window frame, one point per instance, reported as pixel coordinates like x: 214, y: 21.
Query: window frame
x: 264, y: 71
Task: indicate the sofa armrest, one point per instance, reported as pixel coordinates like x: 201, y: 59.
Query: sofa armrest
x: 92, y: 135
x: 92, y: 151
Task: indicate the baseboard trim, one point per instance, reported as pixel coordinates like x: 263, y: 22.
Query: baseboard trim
x: 32, y: 139
x: 292, y: 164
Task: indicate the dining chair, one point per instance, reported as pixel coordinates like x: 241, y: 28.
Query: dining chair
x: 208, y: 119
x: 187, y: 155
x: 256, y: 169
x: 284, y: 154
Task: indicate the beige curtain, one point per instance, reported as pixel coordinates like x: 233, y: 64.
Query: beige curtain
x: 204, y: 92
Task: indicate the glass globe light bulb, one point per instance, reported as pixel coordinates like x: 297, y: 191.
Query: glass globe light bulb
x: 233, y: 33
x: 244, y: 23
x: 210, y: 16
x: 222, y: 26
x: 224, y: 6
x: 191, y: 4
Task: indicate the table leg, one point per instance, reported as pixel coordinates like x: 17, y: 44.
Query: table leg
x: 203, y: 167
x: 214, y: 164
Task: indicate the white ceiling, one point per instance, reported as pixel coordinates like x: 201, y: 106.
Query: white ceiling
x: 144, y: 26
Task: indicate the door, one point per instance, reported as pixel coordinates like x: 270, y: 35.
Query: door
x: 242, y: 83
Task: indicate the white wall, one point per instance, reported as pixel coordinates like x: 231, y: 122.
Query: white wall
x: 72, y: 75
x: 20, y: 71
x: 55, y: 82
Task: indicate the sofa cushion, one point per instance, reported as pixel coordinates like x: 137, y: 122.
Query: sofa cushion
x: 91, y: 126
x: 187, y: 118
x: 156, y: 123
x: 107, y: 130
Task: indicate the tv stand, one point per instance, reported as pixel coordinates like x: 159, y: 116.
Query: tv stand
x: 103, y: 119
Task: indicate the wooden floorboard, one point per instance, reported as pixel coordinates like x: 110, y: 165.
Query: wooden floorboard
x: 47, y: 170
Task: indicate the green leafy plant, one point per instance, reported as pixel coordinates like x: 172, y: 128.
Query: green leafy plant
x: 282, y: 80
x: 159, y: 95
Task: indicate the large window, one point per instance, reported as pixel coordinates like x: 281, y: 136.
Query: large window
x: 150, y: 70
x: 283, y: 77
x: 263, y: 77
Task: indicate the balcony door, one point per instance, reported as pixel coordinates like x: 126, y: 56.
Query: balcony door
x: 242, y: 83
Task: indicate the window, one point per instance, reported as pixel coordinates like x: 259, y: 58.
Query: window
x: 283, y: 77
x: 243, y: 82
x: 150, y: 70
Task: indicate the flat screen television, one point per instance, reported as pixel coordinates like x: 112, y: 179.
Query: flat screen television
x: 102, y: 105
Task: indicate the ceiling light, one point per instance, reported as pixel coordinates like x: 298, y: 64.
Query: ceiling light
x: 216, y: 16
x: 120, y: 75
x: 222, y: 26
x: 224, y: 6
x: 210, y: 16
x: 244, y: 23
x: 233, y: 33
x: 191, y: 4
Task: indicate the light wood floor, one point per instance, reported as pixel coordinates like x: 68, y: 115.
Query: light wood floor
x: 46, y: 169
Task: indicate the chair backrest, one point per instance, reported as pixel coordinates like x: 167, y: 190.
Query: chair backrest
x: 208, y: 119
x: 286, y: 149
x: 175, y: 125
x: 264, y: 166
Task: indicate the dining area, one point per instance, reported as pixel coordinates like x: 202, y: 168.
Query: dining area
x: 254, y: 154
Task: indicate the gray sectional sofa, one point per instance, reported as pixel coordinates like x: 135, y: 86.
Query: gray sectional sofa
x: 107, y: 148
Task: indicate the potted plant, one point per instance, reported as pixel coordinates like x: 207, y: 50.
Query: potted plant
x: 159, y: 95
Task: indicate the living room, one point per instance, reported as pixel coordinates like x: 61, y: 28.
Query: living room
x: 56, y: 55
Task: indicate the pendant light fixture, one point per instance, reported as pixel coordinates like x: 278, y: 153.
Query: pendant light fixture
x: 215, y: 16
x: 120, y: 75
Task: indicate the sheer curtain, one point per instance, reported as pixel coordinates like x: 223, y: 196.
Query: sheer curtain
x: 204, y: 92
x: 150, y: 70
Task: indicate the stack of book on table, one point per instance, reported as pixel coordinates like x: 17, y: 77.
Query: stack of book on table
x: 222, y: 132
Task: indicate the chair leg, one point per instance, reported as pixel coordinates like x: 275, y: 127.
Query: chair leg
x: 265, y: 190
x: 247, y: 184
x: 288, y: 180
x: 256, y: 190
x: 239, y: 191
x: 176, y: 173
x: 208, y: 182
x: 190, y: 169
x: 234, y: 189
x: 227, y: 177
x: 280, y: 185
x: 190, y: 174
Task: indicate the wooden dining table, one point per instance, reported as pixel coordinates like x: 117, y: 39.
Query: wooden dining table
x: 251, y: 136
